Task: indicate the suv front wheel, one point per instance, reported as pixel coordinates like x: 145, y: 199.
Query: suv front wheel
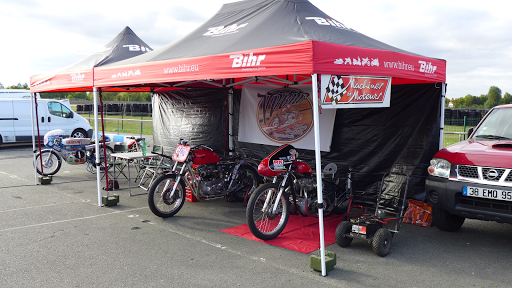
x: 446, y: 221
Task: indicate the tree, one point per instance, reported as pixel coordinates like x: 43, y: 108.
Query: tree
x: 494, y: 97
x: 77, y: 95
x: 507, y: 99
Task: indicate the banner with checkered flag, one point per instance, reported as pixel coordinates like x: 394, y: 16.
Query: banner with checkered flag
x: 334, y: 90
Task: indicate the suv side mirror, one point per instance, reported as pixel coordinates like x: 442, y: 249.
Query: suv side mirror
x: 470, y: 131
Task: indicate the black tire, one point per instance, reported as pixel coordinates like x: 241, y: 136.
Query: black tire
x: 51, y: 162
x: 266, y: 225
x: 446, y: 221
x: 159, y: 199
x: 343, y: 229
x: 248, y: 180
x: 79, y: 133
x: 381, y: 243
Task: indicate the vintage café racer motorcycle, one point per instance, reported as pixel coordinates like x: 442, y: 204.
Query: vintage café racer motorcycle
x: 270, y: 204
x: 206, y: 175
x: 74, y: 151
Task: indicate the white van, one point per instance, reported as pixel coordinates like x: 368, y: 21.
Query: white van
x: 15, y: 93
x: 16, y: 119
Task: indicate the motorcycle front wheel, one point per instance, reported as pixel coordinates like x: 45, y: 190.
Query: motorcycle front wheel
x: 51, y: 162
x: 159, y: 198
x: 263, y: 222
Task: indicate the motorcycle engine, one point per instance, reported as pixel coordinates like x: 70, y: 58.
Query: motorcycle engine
x: 214, y: 187
x: 307, y: 186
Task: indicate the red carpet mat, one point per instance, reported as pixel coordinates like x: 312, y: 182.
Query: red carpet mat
x: 300, y: 234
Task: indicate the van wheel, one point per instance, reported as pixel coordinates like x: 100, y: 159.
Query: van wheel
x: 79, y: 133
x: 446, y: 221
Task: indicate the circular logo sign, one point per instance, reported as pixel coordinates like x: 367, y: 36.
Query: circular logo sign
x: 492, y: 174
x: 285, y: 115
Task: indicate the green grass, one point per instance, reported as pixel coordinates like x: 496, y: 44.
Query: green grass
x: 449, y: 139
x: 124, y: 124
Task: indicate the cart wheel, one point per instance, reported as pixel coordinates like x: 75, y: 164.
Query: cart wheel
x: 382, y: 242
x: 342, y: 230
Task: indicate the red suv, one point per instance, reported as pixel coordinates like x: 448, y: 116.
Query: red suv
x: 473, y: 178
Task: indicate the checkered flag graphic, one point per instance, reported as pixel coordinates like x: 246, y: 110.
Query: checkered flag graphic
x: 335, y: 89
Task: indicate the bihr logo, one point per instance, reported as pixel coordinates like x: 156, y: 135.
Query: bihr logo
x: 137, y: 48
x: 427, y: 67
x: 328, y: 22
x: 77, y: 77
x: 247, y: 60
x: 285, y: 115
x: 224, y: 30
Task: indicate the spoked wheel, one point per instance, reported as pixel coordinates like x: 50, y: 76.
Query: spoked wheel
x: 160, y: 201
x: 51, y: 162
x: 382, y: 242
x: 248, y: 180
x: 263, y: 221
x: 343, y: 229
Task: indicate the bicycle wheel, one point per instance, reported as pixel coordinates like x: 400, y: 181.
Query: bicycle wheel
x: 51, y: 162
x: 159, y: 198
x: 263, y: 222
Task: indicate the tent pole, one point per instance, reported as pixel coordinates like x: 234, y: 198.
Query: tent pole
x: 97, y: 145
x: 441, y: 128
x: 318, y: 169
x: 230, y: 120
x: 32, y: 96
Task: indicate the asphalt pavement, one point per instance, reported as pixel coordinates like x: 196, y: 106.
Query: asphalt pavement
x: 56, y: 235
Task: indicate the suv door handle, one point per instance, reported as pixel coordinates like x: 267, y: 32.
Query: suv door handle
x: 49, y: 119
x: 42, y: 119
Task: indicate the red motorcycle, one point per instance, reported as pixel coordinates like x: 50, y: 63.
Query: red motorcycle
x: 270, y: 204
x: 207, y: 176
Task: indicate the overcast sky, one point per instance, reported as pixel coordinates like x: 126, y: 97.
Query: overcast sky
x: 474, y: 37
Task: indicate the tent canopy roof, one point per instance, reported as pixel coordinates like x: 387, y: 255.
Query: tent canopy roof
x: 79, y: 76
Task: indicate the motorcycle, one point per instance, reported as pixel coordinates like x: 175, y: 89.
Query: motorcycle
x: 200, y: 170
x: 74, y: 151
x: 270, y: 205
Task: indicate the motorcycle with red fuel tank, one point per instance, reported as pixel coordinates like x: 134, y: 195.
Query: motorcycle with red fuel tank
x: 270, y: 205
x: 207, y: 176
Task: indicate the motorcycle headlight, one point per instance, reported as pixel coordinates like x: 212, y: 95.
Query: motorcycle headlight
x: 439, y: 167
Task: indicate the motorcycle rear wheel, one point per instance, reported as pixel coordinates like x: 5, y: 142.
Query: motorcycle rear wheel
x: 159, y: 200
x: 248, y: 180
x: 264, y: 224
x: 51, y: 162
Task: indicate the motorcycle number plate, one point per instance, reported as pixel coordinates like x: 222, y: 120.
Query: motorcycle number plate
x: 181, y: 153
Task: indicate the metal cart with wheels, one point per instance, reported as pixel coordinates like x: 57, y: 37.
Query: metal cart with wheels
x: 374, y: 227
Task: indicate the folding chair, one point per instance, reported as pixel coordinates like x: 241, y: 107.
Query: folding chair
x: 153, y: 167
x: 119, y: 165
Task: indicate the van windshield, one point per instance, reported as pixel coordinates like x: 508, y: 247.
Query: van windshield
x: 496, y: 126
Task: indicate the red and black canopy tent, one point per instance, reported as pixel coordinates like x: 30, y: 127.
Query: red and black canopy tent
x: 290, y: 42
x: 79, y: 76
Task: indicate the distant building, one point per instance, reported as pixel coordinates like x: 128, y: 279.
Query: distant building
x: 450, y: 105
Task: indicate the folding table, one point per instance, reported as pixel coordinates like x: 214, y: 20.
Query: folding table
x: 136, y: 156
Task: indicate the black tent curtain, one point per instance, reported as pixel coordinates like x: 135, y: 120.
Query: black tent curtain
x: 372, y: 141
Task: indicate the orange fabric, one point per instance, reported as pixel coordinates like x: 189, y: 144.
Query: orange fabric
x: 418, y: 213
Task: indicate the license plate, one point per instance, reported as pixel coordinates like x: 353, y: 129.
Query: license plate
x: 487, y: 193
x: 359, y: 229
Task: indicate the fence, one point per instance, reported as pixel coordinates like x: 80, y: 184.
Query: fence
x: 119, y: 122
x: 455, y: 130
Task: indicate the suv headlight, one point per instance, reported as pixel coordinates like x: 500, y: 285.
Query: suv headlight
x: 439, y: 167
